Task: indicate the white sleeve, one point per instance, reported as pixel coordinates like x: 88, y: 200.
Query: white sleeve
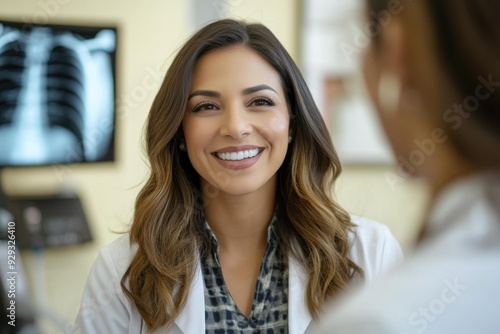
x: 391, y: 253
x: 104, y: 307
x: 374, y: 248
x: 376, y: 251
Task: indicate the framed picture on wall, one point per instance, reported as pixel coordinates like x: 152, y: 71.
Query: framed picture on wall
x: 332, y: 42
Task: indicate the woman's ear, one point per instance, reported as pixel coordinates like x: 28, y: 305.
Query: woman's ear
x: 393, y: 52
x: 290, y: 133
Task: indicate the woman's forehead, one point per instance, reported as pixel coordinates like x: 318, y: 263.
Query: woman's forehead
x: 235, y: 66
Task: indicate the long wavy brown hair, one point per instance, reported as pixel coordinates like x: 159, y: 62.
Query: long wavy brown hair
x: 169, y: 208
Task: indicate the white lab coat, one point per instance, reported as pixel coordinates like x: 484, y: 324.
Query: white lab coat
x: 105, y: 309
x: 452, y: 282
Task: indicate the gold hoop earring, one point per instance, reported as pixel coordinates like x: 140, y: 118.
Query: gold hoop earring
x: 389, y: 93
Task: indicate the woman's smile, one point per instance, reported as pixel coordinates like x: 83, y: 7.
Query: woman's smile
x: 238, y: 157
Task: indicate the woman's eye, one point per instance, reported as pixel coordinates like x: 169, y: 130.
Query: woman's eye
x: 204, y: 106
x: 262, y: 102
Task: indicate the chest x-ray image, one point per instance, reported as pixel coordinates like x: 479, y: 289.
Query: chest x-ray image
x: 57, y: 91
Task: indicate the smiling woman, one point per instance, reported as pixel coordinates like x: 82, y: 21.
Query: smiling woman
x: 236, y: 229
x: 244, y: 112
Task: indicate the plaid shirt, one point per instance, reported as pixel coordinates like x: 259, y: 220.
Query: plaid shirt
x: 270, y: 305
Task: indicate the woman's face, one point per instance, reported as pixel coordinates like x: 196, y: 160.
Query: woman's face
x: 402, y: 120
x: 236, y: 125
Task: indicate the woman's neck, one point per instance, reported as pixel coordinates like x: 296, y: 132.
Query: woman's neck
x: 445, y: 168
x: 241, y: 222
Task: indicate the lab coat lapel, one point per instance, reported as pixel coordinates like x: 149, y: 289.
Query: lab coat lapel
x: 299, y: 317
x: 192, y: 317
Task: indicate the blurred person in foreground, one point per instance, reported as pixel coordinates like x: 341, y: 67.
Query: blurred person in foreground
x: 236, y: 230
x: 433, y: 72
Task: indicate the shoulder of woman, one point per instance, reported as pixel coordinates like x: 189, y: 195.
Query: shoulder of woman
x: 367, y: 229
x: 117, y: 255
x: 373, y: 247
x: 104, y: 307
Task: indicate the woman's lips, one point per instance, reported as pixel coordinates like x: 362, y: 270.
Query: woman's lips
x: 238, y: 157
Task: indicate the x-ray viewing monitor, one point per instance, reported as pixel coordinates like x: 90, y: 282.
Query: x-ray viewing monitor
x: 57, y: 94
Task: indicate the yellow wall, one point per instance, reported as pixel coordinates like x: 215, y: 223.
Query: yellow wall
x: 149, y: 34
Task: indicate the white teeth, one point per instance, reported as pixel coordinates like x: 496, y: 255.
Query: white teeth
x: 240, y: 155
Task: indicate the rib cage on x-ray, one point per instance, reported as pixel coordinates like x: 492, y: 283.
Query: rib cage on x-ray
x: 11, y: 66
x: 65, y: 88
x: 56, y: 96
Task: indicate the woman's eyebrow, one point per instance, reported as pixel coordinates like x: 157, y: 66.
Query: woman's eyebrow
x: 246, y: 91
x: 209, y: 93
x: 250, y: 90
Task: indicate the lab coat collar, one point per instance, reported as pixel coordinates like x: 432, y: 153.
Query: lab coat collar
x: 299, y: 317
x: 449, y: 205
x: 192, y: 317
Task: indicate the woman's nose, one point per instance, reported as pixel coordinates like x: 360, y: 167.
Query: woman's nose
x: 235, y: 123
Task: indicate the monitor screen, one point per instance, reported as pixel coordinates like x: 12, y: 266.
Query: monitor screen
x: 57, y: 94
